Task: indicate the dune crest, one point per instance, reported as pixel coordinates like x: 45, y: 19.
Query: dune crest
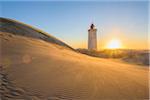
x: 19, y: 28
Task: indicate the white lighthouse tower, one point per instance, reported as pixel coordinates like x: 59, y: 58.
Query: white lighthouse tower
x: 92, y: 38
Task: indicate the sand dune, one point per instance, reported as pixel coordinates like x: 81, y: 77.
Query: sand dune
x: 19, y: 28
x: 42, y: 70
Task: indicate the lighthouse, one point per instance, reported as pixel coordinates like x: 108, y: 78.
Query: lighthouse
x: 92, y: 38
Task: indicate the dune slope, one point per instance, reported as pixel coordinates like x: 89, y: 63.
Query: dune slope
x: 19, y: 28
x: 49, y: 71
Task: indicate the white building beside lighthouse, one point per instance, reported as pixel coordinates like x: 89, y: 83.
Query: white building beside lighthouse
x: 92, y: 38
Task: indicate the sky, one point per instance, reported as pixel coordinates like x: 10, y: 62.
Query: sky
x: 69, y: 21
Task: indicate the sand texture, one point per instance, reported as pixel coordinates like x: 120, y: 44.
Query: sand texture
x: 34, y: 69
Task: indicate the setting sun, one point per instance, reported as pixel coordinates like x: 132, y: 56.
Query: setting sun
x: 114, y: 44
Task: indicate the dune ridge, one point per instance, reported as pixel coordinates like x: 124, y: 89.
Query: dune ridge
x: 19, y: 28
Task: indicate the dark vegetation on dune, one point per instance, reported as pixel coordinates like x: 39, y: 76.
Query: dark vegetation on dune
x: 18, y: 28
x: 140, y: 57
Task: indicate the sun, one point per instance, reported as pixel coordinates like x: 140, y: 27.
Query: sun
x: 114, y: 44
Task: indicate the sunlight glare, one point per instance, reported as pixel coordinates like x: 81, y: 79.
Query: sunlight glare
x: 114, y: 44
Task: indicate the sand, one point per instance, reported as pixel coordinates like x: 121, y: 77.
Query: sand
x: 41, y: 70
